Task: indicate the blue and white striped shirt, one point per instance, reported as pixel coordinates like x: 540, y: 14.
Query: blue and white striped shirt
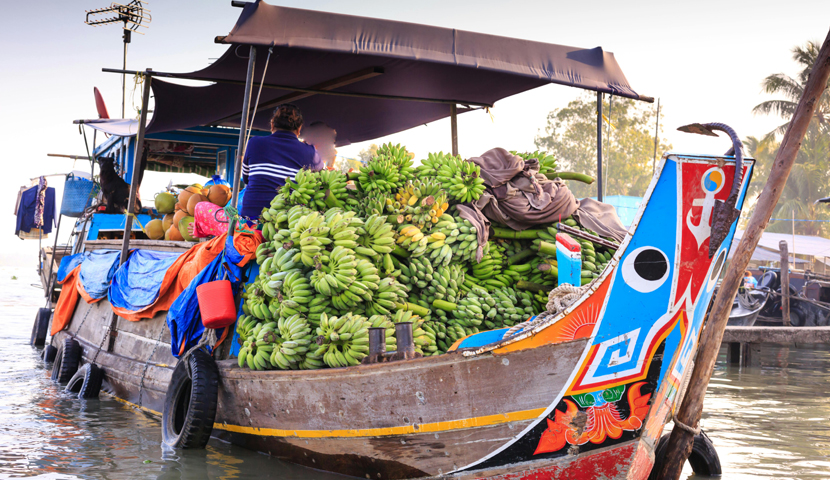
x: 268, y: 161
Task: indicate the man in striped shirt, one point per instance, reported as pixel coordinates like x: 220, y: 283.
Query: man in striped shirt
x: 269, y: 160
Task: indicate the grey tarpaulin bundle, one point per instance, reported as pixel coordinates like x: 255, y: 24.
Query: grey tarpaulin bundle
x: 520, y: 197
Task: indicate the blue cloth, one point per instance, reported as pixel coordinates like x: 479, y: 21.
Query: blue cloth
x: 137, y: 283
x: 26, y: 211
x: 68, y: 264
x: 750, y: 282
x: 97, y: 271
x: 268, y: 161
x: 184, y: 319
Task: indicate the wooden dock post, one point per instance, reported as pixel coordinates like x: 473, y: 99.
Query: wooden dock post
x: 784, y: 263
x: 680, y: 442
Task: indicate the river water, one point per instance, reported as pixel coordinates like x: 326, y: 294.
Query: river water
x: 770, y: 422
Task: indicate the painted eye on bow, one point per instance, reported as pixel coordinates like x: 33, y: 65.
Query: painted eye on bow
x: 645, y: 269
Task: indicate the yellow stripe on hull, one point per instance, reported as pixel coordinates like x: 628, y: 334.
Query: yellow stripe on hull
x: 376, y: 432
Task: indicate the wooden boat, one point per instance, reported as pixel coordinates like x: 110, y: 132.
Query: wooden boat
x: 583, y: 395
x: 746, y: 308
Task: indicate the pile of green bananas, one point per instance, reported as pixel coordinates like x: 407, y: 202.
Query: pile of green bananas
x: 343, y: 341
x: 460, y: 178
x: 391, y: 247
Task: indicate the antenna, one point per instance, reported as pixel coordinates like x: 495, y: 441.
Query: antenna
x: 133, y: 15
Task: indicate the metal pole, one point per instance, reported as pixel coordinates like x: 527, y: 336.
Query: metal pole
x: 599, y: 146
x: 139, y: 153
x: 243, y: 127
x: 656, y: 133
x: 124, y: 84
x: 454, y: 127
x: 785, y: 282
x: 608, y: 129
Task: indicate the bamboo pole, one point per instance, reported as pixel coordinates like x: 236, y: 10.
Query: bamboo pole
x: 680, y: 443
x: 785, y: 282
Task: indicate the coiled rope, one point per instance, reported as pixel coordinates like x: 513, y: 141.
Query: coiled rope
x: 559, y: 299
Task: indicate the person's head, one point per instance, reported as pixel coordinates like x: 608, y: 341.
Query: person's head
x: 323, y: 138
x: 747, y: 273
x: 287, y: 117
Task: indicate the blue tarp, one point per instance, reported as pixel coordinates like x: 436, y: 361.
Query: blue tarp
x: 97, y: 269
x: 183, y: 318
x: 136, y: 284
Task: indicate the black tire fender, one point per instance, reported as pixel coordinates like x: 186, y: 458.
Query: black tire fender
x: 704, y: 458
x: 48, y: 354
x: 41, y: 327
x: 87, y: 381
x: 67, y: 360
x: 190, y: 404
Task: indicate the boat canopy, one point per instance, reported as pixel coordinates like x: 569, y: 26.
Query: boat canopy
x: 368, y: 77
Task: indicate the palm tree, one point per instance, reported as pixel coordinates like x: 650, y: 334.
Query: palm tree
x: 792, y: 88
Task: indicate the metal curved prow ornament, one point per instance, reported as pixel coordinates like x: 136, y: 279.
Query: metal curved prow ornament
x: 724, y: 213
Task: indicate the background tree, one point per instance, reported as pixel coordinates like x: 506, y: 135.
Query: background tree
x: 809, y: 179
x: 570, y: 135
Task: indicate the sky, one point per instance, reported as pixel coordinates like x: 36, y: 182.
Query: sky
x: 705, y: 60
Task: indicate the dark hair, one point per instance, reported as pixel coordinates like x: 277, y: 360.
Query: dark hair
x: 287, y: 117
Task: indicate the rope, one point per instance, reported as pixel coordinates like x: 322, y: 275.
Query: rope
x: 559, y: 299
x: 683, y: 426
x: 564, y: 296
x: 208, y: 338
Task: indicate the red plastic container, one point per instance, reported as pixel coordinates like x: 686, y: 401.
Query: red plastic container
x: 216, y: 304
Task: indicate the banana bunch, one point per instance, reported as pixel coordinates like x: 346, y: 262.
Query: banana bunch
x: 488, y: 272
x: 310, y: 233
x: 511, y: 307
x: 379, y: 174
x: 400, y: 157
x: 256, y: 350
x: 245, y: 326
x: 274, y: 268
x: 374, y: 203
x: 334, y: 183
x: 284, y: 222
x: 438, y: 331
x: 470, y: 312
x: 359, y: 291
x: 446, y: 285
x: 421, y: 202
x: 386, y: 297
x: 318, y: 305
x: 382, y: 321
x: 411, y: 238
x: 547, y: 163
x: 343, y: 340
x: 306, y: 189
x: 296, y: 293
x: 419, y: 272
x: 256, y: 303
x: 377, y: 237
x: 466, y: 240
x: 460, y: 178
x: 292, y: 344
x: 263, y: 251
x: 335, y: 276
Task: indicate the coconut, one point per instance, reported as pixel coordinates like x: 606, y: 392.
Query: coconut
x: 165, y: 202
x: 183, y: 224
x: 167, y: 221
x: 154, y: 229
x: 219, y: 195
x: 195, y: 199
x: 173, y: 234
x: 184, y: 196
x: 178, y: 217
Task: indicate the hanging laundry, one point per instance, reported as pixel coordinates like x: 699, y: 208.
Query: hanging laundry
x: 29, y: 201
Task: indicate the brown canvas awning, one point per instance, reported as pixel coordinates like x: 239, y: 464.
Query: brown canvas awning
x: 368, y: 77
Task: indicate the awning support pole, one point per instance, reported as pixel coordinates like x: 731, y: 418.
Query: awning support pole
x: 139, y: 154
x: 599, y: 146
x: 243, y: 128
x: 454, y: 127
x: 112, y: 331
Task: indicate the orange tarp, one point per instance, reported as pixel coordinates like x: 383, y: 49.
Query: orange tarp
x: 67, y: 301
